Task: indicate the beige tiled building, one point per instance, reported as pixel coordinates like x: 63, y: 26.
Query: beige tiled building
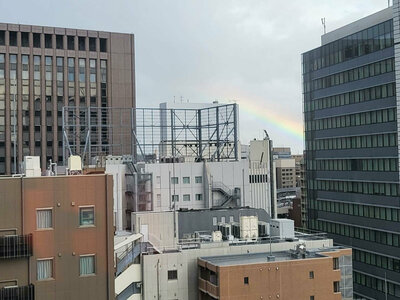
x: 43, y: 69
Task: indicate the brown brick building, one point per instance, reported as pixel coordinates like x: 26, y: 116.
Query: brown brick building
x: 56, y: 238
x: 317, y: 276
x: 43, y: 69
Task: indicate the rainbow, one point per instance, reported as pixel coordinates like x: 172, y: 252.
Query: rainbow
x: 269, y: 117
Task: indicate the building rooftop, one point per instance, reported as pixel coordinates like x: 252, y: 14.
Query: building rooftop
x: 258, y: 258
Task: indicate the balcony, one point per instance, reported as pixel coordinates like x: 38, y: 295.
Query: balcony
x: 18, y: 293
x: 15, y: 246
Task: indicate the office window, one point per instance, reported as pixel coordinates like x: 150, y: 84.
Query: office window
x: 198, y: 179
x: 246, y: 280
x: 44, y: 218
x: 87, y: 265
x: 335, y: 263
x: 71, y: 42
x: 186, y: 197
x: 2, y: 37
x: 13, y: 38
x: 103, y: 45
x: 311, y: 275
x: 175, y: 198
x: 86, y: 216
x: 174, y: 180
x: 186, y: 180
x: 59, y: 42
x: 25, y: 39
x: 172, y: 274
x: 92, y: 44
x: 199, y: 197
x: 36, y: 40
x: 336, y: 286
x: 48, y: 41
x: 81, y: 43
x: 44, y: 269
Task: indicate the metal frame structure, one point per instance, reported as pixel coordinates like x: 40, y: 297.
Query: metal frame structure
x: 151, y: 134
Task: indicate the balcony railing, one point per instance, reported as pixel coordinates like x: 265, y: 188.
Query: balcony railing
x: 18, y: 293
x: 15, y: 246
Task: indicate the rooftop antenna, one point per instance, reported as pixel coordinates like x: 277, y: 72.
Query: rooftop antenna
x: 324, y: 23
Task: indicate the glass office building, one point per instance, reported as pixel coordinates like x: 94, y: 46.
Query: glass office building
x: 351, y: 111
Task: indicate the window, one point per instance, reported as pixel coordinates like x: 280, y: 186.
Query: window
x: 86, y: 265
x: 158, y: 179
x: 311, y: 275
x: 71, y: 42
x: 81, y: 43
x: 103, y: 45
x: 222, y: 219
x: 36, y: 40
x: 174, y: 180
x: 44, y: 218
x: 92, y: 44
x: 2, y: 37
x: 198, y: 179
x: 231, y: 219
x: 246, y: 280
x: 335, y: 263
x: 25, y: 39
x: 186, y: 197
x: 86, y: 216
x: 186, y: 180
x: 13, y: 38
x: 44, y: 269
x: 48, y: 41
x: 336, y: 286
x: 312, y: 298
x: 199, y: 197
x: 172, y: 274
x: 59, y: 42
x: 215, y: 221
x: 175, y: 198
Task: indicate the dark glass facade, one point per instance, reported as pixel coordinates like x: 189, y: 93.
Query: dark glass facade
x: 351, y: 141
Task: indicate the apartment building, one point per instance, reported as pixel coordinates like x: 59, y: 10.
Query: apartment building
x: 299, y: 274
x: 56, y: 238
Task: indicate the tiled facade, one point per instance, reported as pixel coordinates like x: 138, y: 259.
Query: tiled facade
x: 43, y: 69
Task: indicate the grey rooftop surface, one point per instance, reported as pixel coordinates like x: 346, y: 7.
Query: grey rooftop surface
x: 259, y: 258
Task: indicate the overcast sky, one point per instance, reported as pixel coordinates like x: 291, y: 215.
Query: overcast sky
x: 248, y: 51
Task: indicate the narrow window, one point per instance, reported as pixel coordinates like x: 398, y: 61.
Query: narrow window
x: 48, y: 41
x: 246, y: 280
x: 103, y: 45
x: 92, y: 44
x: 335, y: 263
x: 59, y: 42
x: 2, y: 37
x: 44, y: 218
x: 13, y: 38
x: 86, y: 216
x: 86, y: 265
x: 311, y: 275
x: 81, y: 43
x: 71, y: 42
x: 25, y: 39
x: 312, y: 298
x: 336, y: 286
x: 172, y: 274
x: 36, y: 40
x: 44, y: 269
